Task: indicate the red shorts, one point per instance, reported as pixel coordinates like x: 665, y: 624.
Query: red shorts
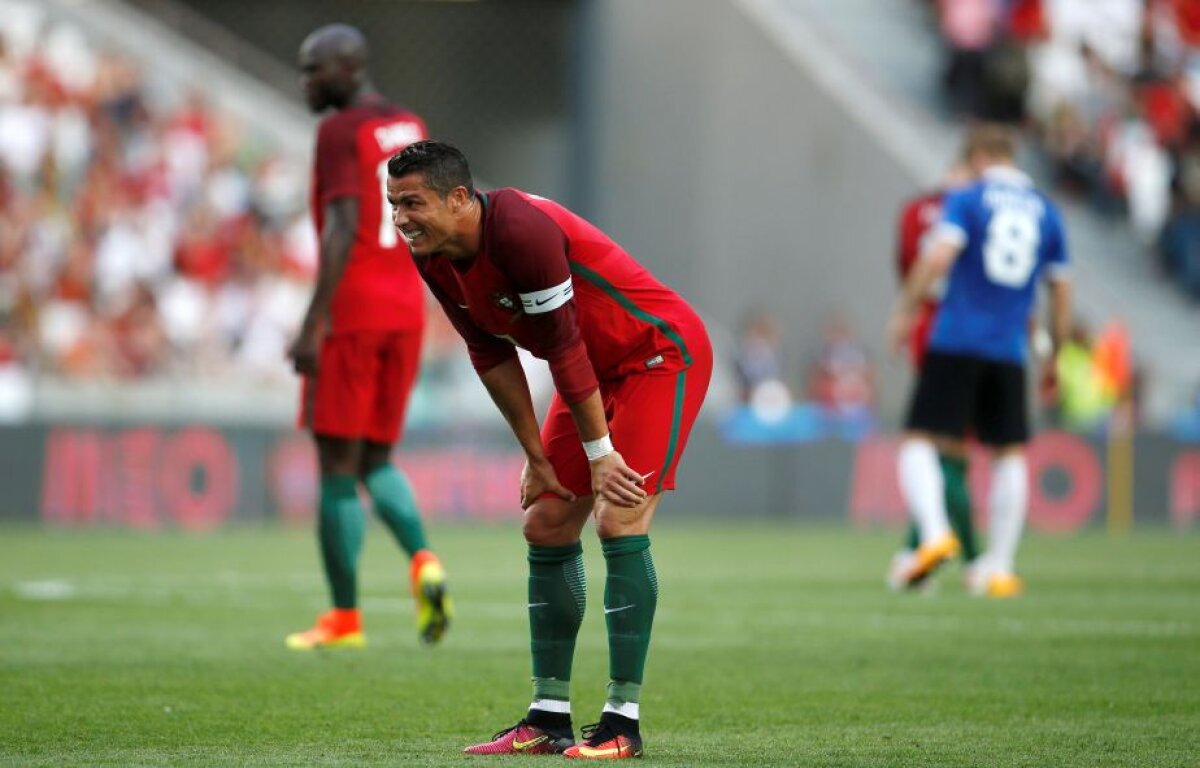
x: 649, y: 415
x: 362, y: 385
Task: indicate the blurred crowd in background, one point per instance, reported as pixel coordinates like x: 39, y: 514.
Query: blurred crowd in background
x: 834, y: 394
x: 142, y: 231
x: 146, y: 233
x: 1110, y: 91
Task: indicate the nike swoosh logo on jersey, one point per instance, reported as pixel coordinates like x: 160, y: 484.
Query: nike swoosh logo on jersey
x: 521, y: 746
x: 622, y: 608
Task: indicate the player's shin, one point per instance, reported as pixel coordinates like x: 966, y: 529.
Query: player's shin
x: 630, y: 598
x: 923, y: 488
x: 958, y: 503
x: 557, y: 598
x: 397, y: 507
x: 1009, y: 501
x: 340, y: 531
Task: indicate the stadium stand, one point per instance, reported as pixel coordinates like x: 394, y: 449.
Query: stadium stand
x: 1111, y: 95
x: 889, y: 52
x: 191, y: 246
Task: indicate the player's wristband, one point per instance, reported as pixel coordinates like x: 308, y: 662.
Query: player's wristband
x: 598, y: 448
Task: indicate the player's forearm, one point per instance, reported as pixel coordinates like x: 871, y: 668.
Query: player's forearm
x: 927, y: 270
x: 335, y: 253
x: 1060, y: 312
x: 589, y: 417
x: 510, y: 392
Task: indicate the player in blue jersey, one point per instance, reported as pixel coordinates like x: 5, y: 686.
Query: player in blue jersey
x: 998, y: 237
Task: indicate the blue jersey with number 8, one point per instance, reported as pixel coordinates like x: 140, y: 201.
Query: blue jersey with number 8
x: 1010, y: 233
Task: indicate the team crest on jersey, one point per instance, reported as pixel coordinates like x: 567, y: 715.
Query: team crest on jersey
x: 504, y: 301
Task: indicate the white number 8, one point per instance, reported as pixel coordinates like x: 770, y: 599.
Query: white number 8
x: 1010, y: 253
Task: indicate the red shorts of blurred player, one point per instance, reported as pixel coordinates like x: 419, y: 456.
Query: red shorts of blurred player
x: 650, y: 416
x: 362, y: 386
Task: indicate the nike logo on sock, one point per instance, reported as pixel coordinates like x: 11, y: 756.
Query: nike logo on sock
x: 537, y: 605
x: 622, y: 608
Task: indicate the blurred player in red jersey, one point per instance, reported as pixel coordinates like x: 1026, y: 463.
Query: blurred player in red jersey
x: 631, y: 363
x: 359, y: 345
x: 918, y: 217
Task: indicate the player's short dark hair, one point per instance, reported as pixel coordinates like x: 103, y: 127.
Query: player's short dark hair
x: 990, y: 140
x: 443, y: 166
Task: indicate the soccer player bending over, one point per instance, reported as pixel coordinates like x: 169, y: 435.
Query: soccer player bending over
x: 359, y: 344
x: 631, y: 362
x: 997, y: 237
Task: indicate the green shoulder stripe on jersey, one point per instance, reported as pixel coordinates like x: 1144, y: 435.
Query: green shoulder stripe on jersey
x: 666, y: 330
x: 676, y: 419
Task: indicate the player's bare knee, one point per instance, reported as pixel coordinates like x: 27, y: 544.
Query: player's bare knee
x: 613, y: 521
x: 551, y: 523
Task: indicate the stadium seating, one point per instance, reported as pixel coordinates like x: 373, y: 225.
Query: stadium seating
x: 146, y: 232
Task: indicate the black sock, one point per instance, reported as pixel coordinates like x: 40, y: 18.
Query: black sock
x: 621, y: 724
x: 556, y: 722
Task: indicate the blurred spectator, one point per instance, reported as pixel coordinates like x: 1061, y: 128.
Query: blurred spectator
x: 141, y: 233
x: 1083, y: 403
x: 969, y: 29
x: 1113, y: 97
x: 1096, y: 377
x: 840, y: 377
x: 757, y: 358
x: 1179, y: 242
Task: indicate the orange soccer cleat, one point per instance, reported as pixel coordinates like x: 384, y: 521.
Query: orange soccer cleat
x: 1003, y: 585
x: 337, y: 628
x: 613, y: 738
x: 435, y: 609
x: 928, y: 557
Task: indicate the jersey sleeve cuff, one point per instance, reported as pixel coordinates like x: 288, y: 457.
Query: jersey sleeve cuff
x: 949, y: 232
x: 1058, y: 271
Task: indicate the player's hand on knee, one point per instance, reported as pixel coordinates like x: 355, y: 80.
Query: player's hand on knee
x: 614, y: 481
x: 537, y: 478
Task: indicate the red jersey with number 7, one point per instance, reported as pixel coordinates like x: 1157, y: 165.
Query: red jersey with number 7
x: 380, y: 289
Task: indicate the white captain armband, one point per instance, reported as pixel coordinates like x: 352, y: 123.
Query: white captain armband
x: 598, y: 448
x: 547, y: 299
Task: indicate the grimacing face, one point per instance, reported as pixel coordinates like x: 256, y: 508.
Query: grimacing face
x: 421, y: 216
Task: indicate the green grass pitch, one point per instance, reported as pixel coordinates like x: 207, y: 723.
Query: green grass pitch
x: 774, y: 645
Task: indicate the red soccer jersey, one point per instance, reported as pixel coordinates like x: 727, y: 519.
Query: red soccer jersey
x: 917, y: 219
x: 380, y: 289
x: 551, y: 282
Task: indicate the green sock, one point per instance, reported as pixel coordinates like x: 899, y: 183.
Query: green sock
x: 913, y: 539
x: 397, y: 507
x: 557, y: 597
x: 340, y: 532
x: 630, y: 596
x: 958, y: 504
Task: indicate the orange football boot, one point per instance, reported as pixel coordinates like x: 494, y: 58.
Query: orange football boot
x: 337, y: 628
x: 607, y: 740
